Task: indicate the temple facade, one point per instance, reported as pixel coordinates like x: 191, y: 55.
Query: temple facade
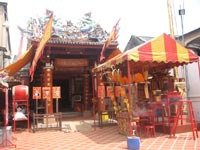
x: 67, y: 60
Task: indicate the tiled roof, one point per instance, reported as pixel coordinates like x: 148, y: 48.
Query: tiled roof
x: 89, y: 42
x: 136, y: 40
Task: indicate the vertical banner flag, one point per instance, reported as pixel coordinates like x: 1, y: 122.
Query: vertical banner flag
x: 101, y: 91
x: 112, y: 36
x: 46, y: 36
x: 109, y: 91
x: 117, y: 91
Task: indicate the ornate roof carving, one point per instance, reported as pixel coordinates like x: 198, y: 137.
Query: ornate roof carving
x: 86, y: 31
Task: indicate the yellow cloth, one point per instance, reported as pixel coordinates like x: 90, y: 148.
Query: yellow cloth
x: 23, y: 60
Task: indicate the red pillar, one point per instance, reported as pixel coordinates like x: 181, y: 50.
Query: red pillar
x: 48, y: 82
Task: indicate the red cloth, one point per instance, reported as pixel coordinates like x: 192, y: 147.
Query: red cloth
x: 112, y: 36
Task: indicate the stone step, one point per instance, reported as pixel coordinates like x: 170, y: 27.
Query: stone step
x: 71, y: 114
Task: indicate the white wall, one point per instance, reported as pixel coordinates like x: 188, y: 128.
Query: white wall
x: 194, y: 88
x: 193, y: 81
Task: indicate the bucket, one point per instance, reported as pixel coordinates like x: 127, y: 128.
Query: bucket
x: 133, y: 143
x: 105, y: 116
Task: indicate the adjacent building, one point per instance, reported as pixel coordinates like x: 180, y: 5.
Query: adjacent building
x: 192, y: 71
x: 5, y: 52
x: 5, y: 46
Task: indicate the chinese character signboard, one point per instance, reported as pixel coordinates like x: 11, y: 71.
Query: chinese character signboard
x: 46, y: 92
x: 123, y: 92
x: 56, y: 92
x: 71, y: 62
x: 37, y: 93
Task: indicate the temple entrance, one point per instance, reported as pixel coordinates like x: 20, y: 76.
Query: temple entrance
x: 64, y: 102
x: 71, y: 94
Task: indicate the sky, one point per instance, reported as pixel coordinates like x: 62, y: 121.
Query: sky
x: 137, y: 17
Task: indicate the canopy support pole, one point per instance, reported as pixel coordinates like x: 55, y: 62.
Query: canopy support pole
x: 129, y: 95
x: 93, y: 97
x: 199, y: 67
x: 129, y: 85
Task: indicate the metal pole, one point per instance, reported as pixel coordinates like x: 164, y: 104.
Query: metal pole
x: 57, y: 105
x: 182, y: 13
x: 3, y: 60
x: 129, y: 97
x: 171, y: 29
x: 6, y: 108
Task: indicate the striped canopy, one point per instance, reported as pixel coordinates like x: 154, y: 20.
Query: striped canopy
x: 161, y: 50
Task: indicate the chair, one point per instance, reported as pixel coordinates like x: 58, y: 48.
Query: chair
x: 159, y: 116
x: 172, y: 105
x: 150, y: 126
x: 76, y: 98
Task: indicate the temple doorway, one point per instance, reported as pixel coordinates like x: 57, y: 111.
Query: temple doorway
x: 64, y: 103
x: 71, y: 94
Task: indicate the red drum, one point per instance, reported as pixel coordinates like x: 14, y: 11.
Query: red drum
x: 20, y: 92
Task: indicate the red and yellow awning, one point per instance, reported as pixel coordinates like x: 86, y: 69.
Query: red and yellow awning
x: 162, y: 49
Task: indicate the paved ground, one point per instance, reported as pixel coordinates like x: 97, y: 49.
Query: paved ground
x: 106, y: 138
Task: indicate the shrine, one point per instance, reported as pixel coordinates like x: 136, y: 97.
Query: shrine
x: 67, y: 60
x: 143, y: 90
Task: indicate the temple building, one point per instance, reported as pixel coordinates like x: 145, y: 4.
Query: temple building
x: 67, y: 60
